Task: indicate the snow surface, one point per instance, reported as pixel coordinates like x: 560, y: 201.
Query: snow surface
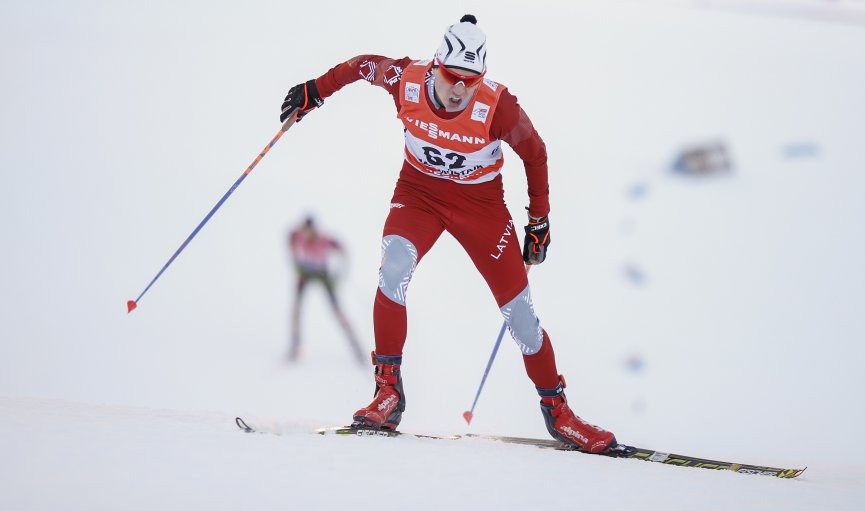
x: 718, y: 317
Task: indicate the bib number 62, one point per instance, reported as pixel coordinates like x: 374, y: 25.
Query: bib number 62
x: 435, y: 157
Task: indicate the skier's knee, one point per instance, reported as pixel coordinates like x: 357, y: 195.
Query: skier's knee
x: 524, y: 326
x: 398, y: 261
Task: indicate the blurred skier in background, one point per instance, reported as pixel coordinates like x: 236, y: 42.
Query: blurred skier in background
x: 311, y: 252
x: 455, y: 120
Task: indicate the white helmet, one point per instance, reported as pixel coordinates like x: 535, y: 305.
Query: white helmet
x: 464, y: 46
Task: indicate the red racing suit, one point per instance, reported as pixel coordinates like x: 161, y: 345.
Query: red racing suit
x: 450, y: 181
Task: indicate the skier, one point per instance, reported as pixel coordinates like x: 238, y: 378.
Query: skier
x: 310, y: 252
x: 455, y: 120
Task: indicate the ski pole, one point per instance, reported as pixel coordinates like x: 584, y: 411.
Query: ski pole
x: 469, y: 415
x: 132, y: 304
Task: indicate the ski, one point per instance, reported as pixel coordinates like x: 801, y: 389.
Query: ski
x: 244, y: 426
x: 620, y: 451
x: 349, y: 431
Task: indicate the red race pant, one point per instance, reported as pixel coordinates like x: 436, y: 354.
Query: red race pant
x: 422, y: 208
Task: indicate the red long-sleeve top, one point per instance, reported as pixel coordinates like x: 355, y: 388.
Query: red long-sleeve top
x: 509, y: 123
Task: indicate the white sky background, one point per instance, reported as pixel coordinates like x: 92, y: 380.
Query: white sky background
x: 124, y: 122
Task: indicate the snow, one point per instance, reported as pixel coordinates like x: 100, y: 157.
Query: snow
x: 105, y: 457
x: 717, y: 317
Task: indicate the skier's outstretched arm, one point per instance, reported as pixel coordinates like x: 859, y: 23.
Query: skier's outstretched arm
x: 378, y: 70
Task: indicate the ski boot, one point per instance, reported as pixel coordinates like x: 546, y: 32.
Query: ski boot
x: 388, y: 402
x: 567, y: 427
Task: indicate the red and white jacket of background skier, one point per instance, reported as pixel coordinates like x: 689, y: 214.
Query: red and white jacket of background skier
x: 450, y: 180
x: 311, y: 250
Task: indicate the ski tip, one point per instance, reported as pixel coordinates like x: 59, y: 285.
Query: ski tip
x: 130, y: 306
x: 796, y: 472
x: 468, y: 417
x: 243, y: 425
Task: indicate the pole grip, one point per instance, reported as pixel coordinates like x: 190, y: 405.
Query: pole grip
x: 289, y: 122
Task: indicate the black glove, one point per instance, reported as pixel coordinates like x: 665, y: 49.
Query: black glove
x: 303, y: 98
x: 537, y: 240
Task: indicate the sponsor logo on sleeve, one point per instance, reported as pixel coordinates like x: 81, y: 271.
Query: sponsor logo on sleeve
x: 412, y: 92
x: 367, y: 70
x: 392, y: 75
x: 480, y: 112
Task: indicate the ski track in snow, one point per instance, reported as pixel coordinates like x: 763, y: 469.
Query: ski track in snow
x: 101, y: 457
